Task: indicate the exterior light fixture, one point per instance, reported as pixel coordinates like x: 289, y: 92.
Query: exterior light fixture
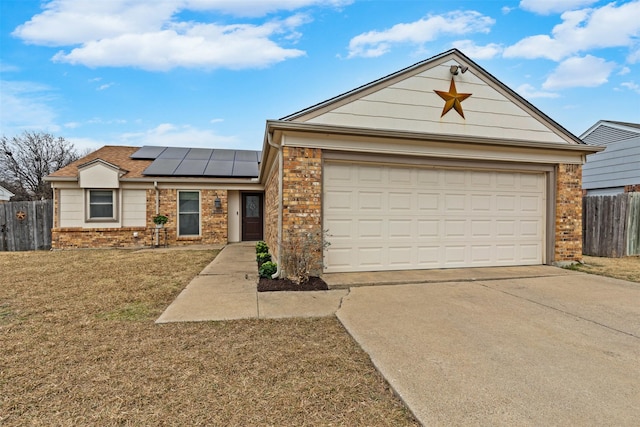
x: 454, y: 69
x: 217, y: 203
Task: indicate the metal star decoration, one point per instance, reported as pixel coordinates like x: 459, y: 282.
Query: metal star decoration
x: 452, y: 99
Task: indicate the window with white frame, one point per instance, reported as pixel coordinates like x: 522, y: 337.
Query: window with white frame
x: 101, y: 205
x: 188, y: 213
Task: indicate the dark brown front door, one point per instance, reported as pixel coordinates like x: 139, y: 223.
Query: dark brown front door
x: 252, y: 216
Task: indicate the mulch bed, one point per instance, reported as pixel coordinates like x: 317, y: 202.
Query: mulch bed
x: 272, y: 285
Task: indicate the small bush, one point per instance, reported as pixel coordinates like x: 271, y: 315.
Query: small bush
x: 263, y: 257
x: 261, y: 247
x: 268, y: 269
x: 303, y: 255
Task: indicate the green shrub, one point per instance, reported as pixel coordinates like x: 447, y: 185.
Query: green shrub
x: 268, y: 269
x: 263, y: 257
x: 261, y: 247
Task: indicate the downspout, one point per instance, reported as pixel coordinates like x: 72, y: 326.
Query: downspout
x: 155, y: 186
x: 278, y: 272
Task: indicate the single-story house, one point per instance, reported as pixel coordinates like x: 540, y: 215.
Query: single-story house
x: 617, y: 169
x: 438, y: 165
x: 5, y: 195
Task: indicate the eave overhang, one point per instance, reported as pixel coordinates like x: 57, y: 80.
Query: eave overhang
x: 277, y: 127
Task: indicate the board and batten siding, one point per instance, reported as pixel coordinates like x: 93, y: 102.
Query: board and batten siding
x: 617, y: 166
x: 71, y: 207
x: 412, y: 105
x: 134, y: 208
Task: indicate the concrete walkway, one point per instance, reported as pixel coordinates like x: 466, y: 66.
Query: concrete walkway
x: 226, y: 290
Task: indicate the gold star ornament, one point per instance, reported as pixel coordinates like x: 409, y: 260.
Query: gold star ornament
x: 452, y: 99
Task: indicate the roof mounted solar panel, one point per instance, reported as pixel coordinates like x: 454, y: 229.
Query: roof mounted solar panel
x: 219, y: 154
x: 245, y: 169
x: 162, y: 167
x: 219, y: 168
x: 174, y: 153
x: 148, y: 152
x: 190, y: 167
x: 199, y: 162
x: 246, y: 156
x: 199, y: 154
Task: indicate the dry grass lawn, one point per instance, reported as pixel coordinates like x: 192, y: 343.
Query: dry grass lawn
x: 78, y: 346
x: 627, y: 268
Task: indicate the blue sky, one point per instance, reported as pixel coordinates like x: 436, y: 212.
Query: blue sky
x: 208, y: 73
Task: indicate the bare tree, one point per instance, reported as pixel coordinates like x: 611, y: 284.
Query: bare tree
x: 26, y: 159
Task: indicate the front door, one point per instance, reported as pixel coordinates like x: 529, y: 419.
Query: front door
x: 251, y: 216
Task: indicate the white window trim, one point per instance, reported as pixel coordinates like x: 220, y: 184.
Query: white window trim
x: 114, y: 202
x: 199, y: 213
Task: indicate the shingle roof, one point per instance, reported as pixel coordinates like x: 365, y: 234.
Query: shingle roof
x: 114, y: 154
x: 187, y: 162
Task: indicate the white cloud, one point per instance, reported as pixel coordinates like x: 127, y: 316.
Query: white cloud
x: 587, y: 71
x: 546, y: 7
x: 68, y: 22
x: 253, y: 8
x: 475, y: 51
x: 87, y: 145
x: 105, y: 86
x: 377, y: 43
x: 582, y: 30
x: 149, y: 34
x: 169, y: 134
x: 8, y: 68
x: 624, y: 70
x: 634, y: 56
x: 529, y: 92
x: 206, y: 46
x: 25, y: 106
x: 631, y: 86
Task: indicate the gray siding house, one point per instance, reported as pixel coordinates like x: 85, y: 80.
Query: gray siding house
x: 616, y: 169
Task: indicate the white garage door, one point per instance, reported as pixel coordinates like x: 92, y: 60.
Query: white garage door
x: 397, y: 218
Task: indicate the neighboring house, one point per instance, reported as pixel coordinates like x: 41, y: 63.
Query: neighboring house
x: 5, y: 195
x: 437, y: 165
x: 617, y: 169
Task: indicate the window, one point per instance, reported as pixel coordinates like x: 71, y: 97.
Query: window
x: 102, y: 205
x: 188, y: 213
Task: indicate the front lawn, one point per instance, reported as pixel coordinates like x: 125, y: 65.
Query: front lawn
x: 78, y: 346
x: 627, y: 268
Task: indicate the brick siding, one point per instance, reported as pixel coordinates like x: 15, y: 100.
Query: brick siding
x: 271, y: 208
x: 568, y: 233
x: 302, y: 197
x: 214, y: 227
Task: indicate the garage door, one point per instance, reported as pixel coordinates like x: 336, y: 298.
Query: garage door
x: 397, y: 218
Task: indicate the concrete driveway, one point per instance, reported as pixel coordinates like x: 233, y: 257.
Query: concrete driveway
x: 561, y: 350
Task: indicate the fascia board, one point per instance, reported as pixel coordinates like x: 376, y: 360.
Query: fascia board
x: 321, y: 131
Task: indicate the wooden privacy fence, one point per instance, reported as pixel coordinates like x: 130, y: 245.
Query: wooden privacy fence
x: 611, y: 225
x: 26, y: 226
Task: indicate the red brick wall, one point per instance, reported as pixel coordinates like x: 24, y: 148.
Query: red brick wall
x: 632, y: 188
x: 568, y: 233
